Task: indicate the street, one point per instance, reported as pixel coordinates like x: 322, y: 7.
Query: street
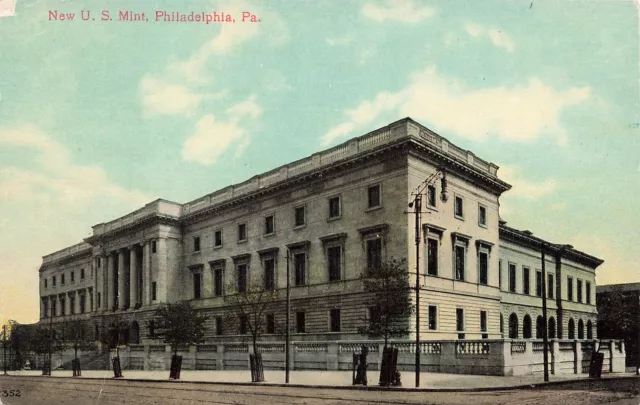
x: 51, y: 390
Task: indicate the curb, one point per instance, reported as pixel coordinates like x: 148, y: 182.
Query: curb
x: 538, y: 386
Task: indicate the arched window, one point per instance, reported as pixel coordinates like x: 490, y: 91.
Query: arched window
x: 134, y: 333
x: 572, y: 329
x: 513, y: 326
x: 589, y: 330
x: 552, y: 328
x: 539, y: 327
x: 580, y: 329
x: 526, y: 327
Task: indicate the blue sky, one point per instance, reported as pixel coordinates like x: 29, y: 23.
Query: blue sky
x: 98, y: 118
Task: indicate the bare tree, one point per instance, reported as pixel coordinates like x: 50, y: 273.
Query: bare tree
x: 76, y: 333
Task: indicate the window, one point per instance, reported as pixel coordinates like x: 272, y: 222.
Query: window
x: 62, y: 279
x: 500, y: 274
x: 196, y: 243
x: 572, y: 329
x: 579, y: 285
x: 81, y: 274
x: 271, y: 324
x: 460, y: 253
x: 299, y: 216
x: 269, y: 265
x: 218, y: 281
x: 73, y: 276
x: 513, y: 326
x: 431, y: 195
x: 512, y: 277
x: 300, y: 322
x: 374, y: 254
x: 244, y: 323
x: 459, y: 207
x: 483, y: 263
x: 526, y: 327
x: 197, y: 284
x: 62, y: 306
x: 373, y: 196
x: 53, y: 281
x: 525, y: 281
x: 460, y: 322
x: 433, y: 317
x: 569, y: 289
x: 300, y: 266
x: 432, y: 256
x: 482, y: 215
x: 334, y: 320
x: 269, y: 225
x: 483, y: 324
x: 45, y: 307
x: 45, y: 283
x: 83, y: 299
x: 538, y: 283
x: 334, y: 259
x: 241, y: 269
x: 72, y: 305
x: 334, y: 207
x: 153, y: 247
x: 154, y: 291
x: 217, y: 238
x: 219, y: 325
x: 99, y: 300
x: 550, y: 285
x: 54, y: 311
x: 588, y: 292
x: 242, y: 232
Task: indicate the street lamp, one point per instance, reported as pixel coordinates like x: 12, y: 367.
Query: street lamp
x: 416, y: 204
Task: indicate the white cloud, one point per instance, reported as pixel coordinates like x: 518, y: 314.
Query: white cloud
x: 397, y: 10
x: 523, y: 188
x: 619, y: 263
x: 499, y: 38
x: 340, y: 41
x: 213, y: 136
x: 161, y: 97
x: 518, y: 113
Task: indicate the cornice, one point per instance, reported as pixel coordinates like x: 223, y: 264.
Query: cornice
x: 67, y: 259
x: 142, y: 222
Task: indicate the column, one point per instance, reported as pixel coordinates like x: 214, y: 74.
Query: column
x: 133, y: 277
x: 109, y: 290
x: 121, y: 280
x: 78, y: 306
x: 146, y: 273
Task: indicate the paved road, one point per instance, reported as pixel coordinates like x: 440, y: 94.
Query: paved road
x: 51, y: 390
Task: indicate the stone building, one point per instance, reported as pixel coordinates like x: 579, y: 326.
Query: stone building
x: 333, y: 215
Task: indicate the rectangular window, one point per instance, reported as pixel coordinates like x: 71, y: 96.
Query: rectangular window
x: 374, y: 254
x: 588, y: 292
x: 244, y: 324
x: 432, y: 257
x: 334, y: 207
x: 45, y: 307
x: 62, y: 306
x: 373, y: 196
x: 72, y: 305
x: 433, y: 317
x: 242, y: 232
x: 334, y: 258
x: 300, y: 266
x: 154, y: 247
x: 269, y: 274
x: 197, y: 283
x: 483, y: 260
x: 482, y: 215
x: 219, y: 325
x: 579, y: 285
x: 526, y: 281
x: 483, y: 321
x: 196, y: 244
x: 550, y: 285
x: 54, y: 311
x: 218, y: 281
x: 299, y: 216
x: 62, y: 279
x: 460, y: 322
x: 53, y: 281
x: 538, y: 283
x: 73, y: 276
x: 81, y: 274
x: 431, y: 195
x: 271, y: 324
x: 500, y: 274
x: 460, y: 252
x: 242, y: 277
x: 269, y: 225
x: 99, y: 300
x: 512, y: 277
x: 217, y: 238
x: 459, y: 207
x: 300, y: 322
x: 83, y: 299
x: 334, y: 320
x: 45, y: 283
x: 569, y: 289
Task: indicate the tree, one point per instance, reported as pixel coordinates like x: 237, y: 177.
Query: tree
x: 618, y: 317
x: 46, y: 340
x: 18, y: 342
x: 251, y: 307
x: 389, y: 301
x: 181, y: 325
x: 76, y: 333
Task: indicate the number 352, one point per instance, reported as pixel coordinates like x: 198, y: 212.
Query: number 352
x: 10, y: 393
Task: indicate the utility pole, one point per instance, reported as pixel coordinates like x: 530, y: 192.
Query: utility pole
x: 48, y: 368
x: 288, y: 332
x: 545, y: 339
x: 4, y: 347
x: 418, y: 207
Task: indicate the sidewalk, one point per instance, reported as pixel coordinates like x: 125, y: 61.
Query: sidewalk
x: 328, y: 378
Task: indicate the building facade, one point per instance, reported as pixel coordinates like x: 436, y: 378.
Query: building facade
x: 330, y: 217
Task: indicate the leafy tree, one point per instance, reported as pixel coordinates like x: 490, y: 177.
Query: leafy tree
x: 77, y: 334
x: 18, y: 342
x: 389, y: 301
x: 617, y: 318
x: 46, y: 340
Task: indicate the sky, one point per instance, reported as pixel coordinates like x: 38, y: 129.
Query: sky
x: 98, y: 118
